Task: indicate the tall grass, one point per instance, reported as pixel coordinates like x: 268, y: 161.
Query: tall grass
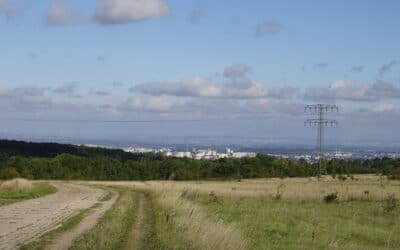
x: 199, y: 229
x: 288, y: 224
x: 21, y: 189
x: 287, y: 189
x: 249, y: 214
x: 16, y: 185
x: 112, y: 230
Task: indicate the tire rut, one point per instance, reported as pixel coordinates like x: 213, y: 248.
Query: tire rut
x: 136, y: 235
x: 66, y: 240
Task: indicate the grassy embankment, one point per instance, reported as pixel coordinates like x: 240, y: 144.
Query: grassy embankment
x: 21, y: 189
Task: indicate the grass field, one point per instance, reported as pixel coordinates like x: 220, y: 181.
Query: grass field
x: 362, y: 213
x: 274, y: 213
x: 17, y: 190
x: 283, y: 224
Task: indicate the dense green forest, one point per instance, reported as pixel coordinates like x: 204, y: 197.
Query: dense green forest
x: 59, y: 161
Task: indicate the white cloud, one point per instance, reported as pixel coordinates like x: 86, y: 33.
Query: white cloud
x: 384, y: 107
x: 59, y: 13
x: 236, y: 70
x: 14, y: 8
x: 147, y: 104
x: 68, y: 89
x: 24, y: 98
x: 357, y: 69
x: 117, y: 84
x: 125, y: 11
x: 98, y: 92
x: 268, y: 27
x: 197, y: 86
x: 350, y: 91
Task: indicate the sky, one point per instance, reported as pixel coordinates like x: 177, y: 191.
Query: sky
x: 200, y: 68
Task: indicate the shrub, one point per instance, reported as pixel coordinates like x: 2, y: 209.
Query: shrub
x: 8, y: 173
x: 394, y: 174
x: 332, y: 197
x: 342, y: 177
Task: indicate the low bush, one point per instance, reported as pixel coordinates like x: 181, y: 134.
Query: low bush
x: 394, y: 174
x: 332, y: 197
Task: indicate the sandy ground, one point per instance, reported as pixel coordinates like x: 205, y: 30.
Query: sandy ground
x: 66, y: 240
x: 25, y: 221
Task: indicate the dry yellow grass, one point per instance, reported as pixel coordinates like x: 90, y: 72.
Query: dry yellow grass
x: 203, y: 231
x: 16, y: 185
x: 373, y: 186
x: 198, y: 228
x: 113, y: 228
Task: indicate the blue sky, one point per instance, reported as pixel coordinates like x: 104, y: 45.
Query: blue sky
x: 180, y: 60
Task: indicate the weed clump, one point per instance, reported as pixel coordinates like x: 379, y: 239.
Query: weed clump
x: 332, y: 197
x: 390, y: 203
x: 215, y: 198
x: 279, y: 192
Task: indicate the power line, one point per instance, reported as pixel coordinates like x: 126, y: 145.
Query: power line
x: 320, y: 110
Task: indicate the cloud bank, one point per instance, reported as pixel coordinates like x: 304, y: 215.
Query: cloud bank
x: 128, y: 11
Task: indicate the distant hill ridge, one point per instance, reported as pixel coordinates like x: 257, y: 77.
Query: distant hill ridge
x: 48, y: 150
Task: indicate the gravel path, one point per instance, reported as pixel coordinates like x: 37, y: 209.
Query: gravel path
x: 25, y: 221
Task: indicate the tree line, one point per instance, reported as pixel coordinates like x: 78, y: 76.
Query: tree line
x: 69, y: 162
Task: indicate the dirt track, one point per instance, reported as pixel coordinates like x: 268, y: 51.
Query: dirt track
x: 136, y: 235
x: 25, y: 221
x: 66, y: 240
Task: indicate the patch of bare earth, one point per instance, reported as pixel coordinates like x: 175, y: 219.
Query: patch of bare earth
x: 26, y: 221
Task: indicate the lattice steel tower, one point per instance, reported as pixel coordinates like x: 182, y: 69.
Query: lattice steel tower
x: 320, y: 110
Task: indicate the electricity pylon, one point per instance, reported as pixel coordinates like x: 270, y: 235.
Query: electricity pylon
x: 320, y: 110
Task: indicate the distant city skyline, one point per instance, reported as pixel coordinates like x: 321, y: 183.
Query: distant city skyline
x: 199, y: 68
